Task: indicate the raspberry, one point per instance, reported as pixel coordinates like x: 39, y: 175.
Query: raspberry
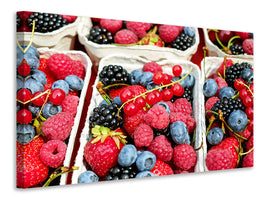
x: 78, y: 69
x: 152, y: 67
x: 182, y: 105
x: 246, y: 134
x: 60, y: 65
x: 218, y: 159
x: 112, y: 25
x: 157, y: 117
x: 52, y: 153
x: 184, y: 156
x: 250, y: 143
x: 139, y: 28
x: 248, y: 160
x: 221, y: 83
x: 162, y: 148
x: 125, y: 36
x: 222, y: 68
x: 248, y: 46
x: 143, y: 135
x: 70, y: 104
x: 243, y: 35
x: 58, y: 127
x: 209, y: 104
x: 169, y: 32
x: 161, y: 168
x: 187, y: 119
x: 169, y: 103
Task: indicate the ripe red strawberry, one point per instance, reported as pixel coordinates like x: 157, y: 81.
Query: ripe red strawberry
x: 161, y: 168
x: 30, y: 170
x: 102, y: 152
x: 224, y: 65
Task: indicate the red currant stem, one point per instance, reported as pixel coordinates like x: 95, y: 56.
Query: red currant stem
x: 205, y: 49
x: 47, y: 91
x: 245, y: 153
x: 230, y: 43
x: 25, y: 50
x: 210, y: 124
x: 114, y: 85
x: 57, y: 173
x: 157, y: 88
x: 246, y: 87
x: 224, y: 66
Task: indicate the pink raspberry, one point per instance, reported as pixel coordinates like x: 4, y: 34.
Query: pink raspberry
x: 169, y: 103
x: 112, y: 25
x: 182, y: 105
x: 78, y: 69
x: 243, y: 35
x: 209, y: 104
x: 248, y: 46
x: 221, y: 83
x: 187, y: 119
x: 162, y: 148
x: 248, y: 160
x: 52, y: 153
x: 70, y: 104
x: 169, y: 32
x: 218, y: 159
x: 139, y: 28
x: 58, y: 126
x: 184, y: 156
x: 250, y: 143
x: 143, y: 135
x: 125, y: 36
x: 221, y: 69
x: 245, y: 134
x: 152, y: 67
x: 157, y: 117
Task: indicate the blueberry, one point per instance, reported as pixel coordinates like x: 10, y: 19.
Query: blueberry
x: 215, y: 136
x: 20, y: 83
x: 135, y: 76
x: 103, y: 102
x: 25, y: 133
x: 210, y: 88
x: 145, y: 161
x: 179, y: 133
x: 144, y: 174
x: 39, y: 76
x: 190, y: 31
x: 33, y: 85
x: 127, y: 155
x: 167, y: 108
x: 237, y: 120
x: 31, y: 59
x: 187, y: 82
x: 32, y: 49
x: 228, y: 92
x: 88, y: 177
x: 146, y: 78
x: 75, y: 83
x: 247, y: 75
x: 117, y: 100
x: 151, y: 85
x: 62, y: 85
x: 50, y: 109
x: 35, y: 110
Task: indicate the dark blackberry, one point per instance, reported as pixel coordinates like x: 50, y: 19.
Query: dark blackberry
x: 106, y: 115
x: 18, y: 21
x: 112, y: 74
x: 120, y: 172
x: 45, y: 22
x: 100, y: 35
x: 236, y: 49
x: 182, y: 42
x: 233, y: 72
x: 227, y: 105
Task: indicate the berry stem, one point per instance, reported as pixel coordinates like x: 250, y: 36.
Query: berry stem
x: 224, y: 48
x: 230, y: 43
x: 245, y: 153
x: 205, y: 49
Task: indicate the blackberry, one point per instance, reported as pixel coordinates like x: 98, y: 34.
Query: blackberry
x: 182, y: 42
x: 120, y: 172
x: 45, y: 22
x: 18, y: 21
x: 106, y: 115
x: 233, y: 72
x: 100, y: 35
x: 236, y: 49
x: 112, y: 74
x: 227, y: 105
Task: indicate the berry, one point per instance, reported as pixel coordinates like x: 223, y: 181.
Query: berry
x: 145, y: 161
x: 218, y: 159
x: 250, y: 143
x: 157, y: 117
x: 236, y: 49
x: 210, y: 88
x: 126, y: 94
x: 177, y: 89
x: 140, y: 102
x: 25, y: 133
x: 139, y: 28
x: 146, y: 78
x: 100, y: 35
x: 161, y: 168
x: 248, y: 160
x: 215, y: 136
x: 112, y: 25
x: 237, y: 120
x: 112, y: 74
x: 50, y: 110
x: 221, y: 84
x: 24, y: 95
x: 179, y: 133
x: 24, y: 116
x: 24, y: 69
x: 152, y: 67
x: 75, y: 83
x: 120, y: 172
x: 52, y: 153
x: 39, y: 76
x: 127, y: 155
x: 182, y: 105
x: 182, y: 42
x: 125, y: 36
x: 88, y: 177
x: 40, y: 100
x: 242, y: 35
x: 224, y: 66
x: 61, y: 84
x: 57, y: 96
x: 58, y: 127
x: 176, y: 70
x: 228, y: 92
x: 143, y: 174
x: 248, y: 46
x: 187, y: 119
x: 114, y: 92
x: 189, y: 31
x: 248, y: 101
x: 70, y: 104
x: 169, y: 32
x: 247, y: 75
x: 210, y: 103
x: 184, y: 156
x: 225, y: 36
x: 130, y: 108
x: 135, y: 76
x: 239, y: 84
x: 249, y: 112
x: 143, y: 135
x: 167, y: 94
x: 78, y: 69
x: 35, y: 110
x: 166, y: 106
x: 158, y: 78
x: 162, y: 148
x: 33, y: 85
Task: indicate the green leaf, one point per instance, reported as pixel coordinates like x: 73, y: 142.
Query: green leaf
x: 104, y: 130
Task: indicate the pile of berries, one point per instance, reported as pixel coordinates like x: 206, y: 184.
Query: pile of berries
x: 44, y: 22
x: 154, y: 131
x: 232, y: 42
x: 48, y: 91
x: 229, y: 116
x: 110, y: 31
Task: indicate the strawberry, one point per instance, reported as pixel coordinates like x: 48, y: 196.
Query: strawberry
x: 161, y: 168
x: 30, y: 170
x: 114, y: 92
x: 102, y: 152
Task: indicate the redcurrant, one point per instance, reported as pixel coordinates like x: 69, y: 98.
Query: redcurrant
x: 167, y: 94
x: 239, y: 84
x: 40, y: 100
x: 158, y: 78
x: 24, y: 69
x: 126, y: 95
x: 24, y: 95
x: 249, y: 111
x: 57, y: 96
x: 177, y: 89
x: 130, y: 108
x: 177, y: 70
x: 24, y: 116
x: 151, y: 98
x: 140, y: 102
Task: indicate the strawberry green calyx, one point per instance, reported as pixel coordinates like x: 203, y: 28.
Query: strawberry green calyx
x: 100, y: 133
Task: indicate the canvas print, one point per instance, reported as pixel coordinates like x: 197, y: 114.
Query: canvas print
x: 108, y: 99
